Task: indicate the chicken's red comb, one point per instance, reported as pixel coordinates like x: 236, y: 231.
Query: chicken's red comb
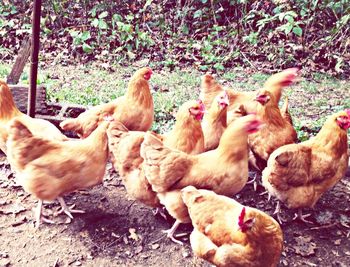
x: 241, y: 217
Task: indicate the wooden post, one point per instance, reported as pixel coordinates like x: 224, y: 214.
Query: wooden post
x: 21, y: 60
x: 34, y: 56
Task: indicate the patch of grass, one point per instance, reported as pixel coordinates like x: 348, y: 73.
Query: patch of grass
x: 4, y: 71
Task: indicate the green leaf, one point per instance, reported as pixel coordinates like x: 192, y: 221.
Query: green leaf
x: 85, y: 35
x: 117, y: 17
x: 219, y: 66
x: 102, y: 25
x: 298, y: 31
x: 95, y: 22
x: 87, y: 48
x: 103, y: 15
x: 197, y: 14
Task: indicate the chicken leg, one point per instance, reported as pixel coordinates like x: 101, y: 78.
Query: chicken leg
x: 39, y: 216
x: 67, y: 210
x: 302, y: 216
x: 277, y: 212
x: 254, y: 181
x: 170, y: 232
x: 160, y: 211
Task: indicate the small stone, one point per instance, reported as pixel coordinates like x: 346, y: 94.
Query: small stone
x: 4, y: 262
x: 89, y: 257
x: 186, y: 254
x: 77, y: 263
x: 337, y: 242
x: 155, y: 246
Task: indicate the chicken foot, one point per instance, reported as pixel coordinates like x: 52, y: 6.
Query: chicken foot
x: 254, y: 181
x: 268, y: 195
x: 67, y: 210
x: 39, y: 216
x: 302, y: 216
x: 277, y: 212
x: 159, y: 211
x: 170, y: 232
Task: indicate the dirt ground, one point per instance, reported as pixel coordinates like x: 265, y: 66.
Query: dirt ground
x: 116, y: 231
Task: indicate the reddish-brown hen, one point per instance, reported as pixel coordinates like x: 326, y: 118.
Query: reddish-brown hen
x: 299, y: 174
x: 276, y: 132
x: 134, y: 109
x: 228, y: 234
x: 215, y: 121
x: 48, y: 169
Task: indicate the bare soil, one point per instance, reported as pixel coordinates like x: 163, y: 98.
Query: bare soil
x: 117, y: 231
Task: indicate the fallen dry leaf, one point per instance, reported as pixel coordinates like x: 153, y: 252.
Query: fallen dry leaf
x: 133, y: 234
x: 304, y: 246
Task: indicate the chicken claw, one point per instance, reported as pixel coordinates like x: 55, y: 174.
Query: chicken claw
x: 159, y: 211
x: 302, y: 216
x: 268, y: 195
x: 254, y: 182
x: 277, y: 212
x: 67, y: 210
x: 170, y: 233
x: 39, y: 216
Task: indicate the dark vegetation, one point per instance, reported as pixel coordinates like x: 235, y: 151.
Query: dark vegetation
x: 207, y: 34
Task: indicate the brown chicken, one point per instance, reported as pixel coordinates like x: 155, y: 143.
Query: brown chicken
x: 134, y: 109
x: 125, y: 145
x: 210, y: 88
x: 215, y: 121
x: 223, y: 170
x: 276, y: 132
x: 48, y: 169
x: 8, y: 111
x: 229, y: 234
x: 299, y: 174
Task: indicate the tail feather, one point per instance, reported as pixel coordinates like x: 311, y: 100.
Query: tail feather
x: 17, y: 130
x: 23, y: 146
x: 8, y: 108
x: 163, y: 166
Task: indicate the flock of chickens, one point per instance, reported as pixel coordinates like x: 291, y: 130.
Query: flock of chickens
x: 194, y: 169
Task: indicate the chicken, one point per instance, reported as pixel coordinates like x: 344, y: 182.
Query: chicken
x: 299, y: 174
x: 125, y: 145
x: 276, y: 131
x: 48, y: 169
x: 8, y: 111
x: 223, y: 170
x: 210, y: 88
x: 134, y: 109
x: 215, y: 121
x: 228, y: 234
x: 187, y: 135
x: 274, y: 84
